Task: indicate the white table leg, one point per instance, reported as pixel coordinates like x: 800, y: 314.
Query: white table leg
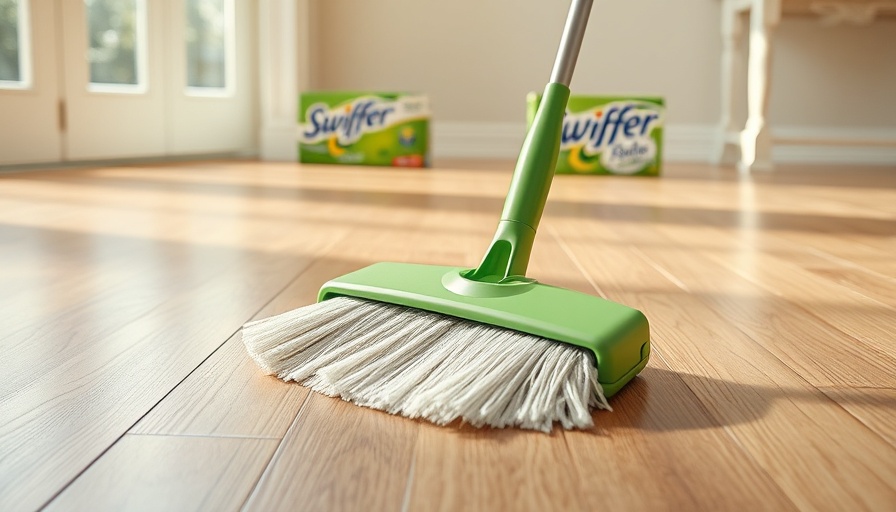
x: 755, y: 139
x: 732, y: 27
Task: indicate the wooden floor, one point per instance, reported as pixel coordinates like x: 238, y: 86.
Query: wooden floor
x: 772, y: 301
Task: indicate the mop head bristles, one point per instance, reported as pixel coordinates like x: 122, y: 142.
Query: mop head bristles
x: 425, y: 365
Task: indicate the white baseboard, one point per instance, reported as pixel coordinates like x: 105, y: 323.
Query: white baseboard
x: 690, y: 142
x: 477, y: 140
x: 862, y: 146
x: 683, y: 143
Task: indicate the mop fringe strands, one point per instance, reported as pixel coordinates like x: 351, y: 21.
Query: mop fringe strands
x: 487, y: 346
x: 426, y: 365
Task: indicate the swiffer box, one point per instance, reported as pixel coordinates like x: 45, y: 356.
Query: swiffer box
x: 609, y: 135
x: 364, y: 128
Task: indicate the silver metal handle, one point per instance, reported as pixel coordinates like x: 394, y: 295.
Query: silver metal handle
x: 571, y: 42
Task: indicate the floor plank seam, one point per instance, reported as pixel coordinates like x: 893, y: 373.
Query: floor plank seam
x: 884, y: 214
x: 729, y: 432
x: 128, y: 430
x: 228, y: 338
x: 580, y: 476
x: 661, y: 269
x: 658, y: 353
x: 84, y: 469
x: 203, y: 436
x: 858, y: 419
x: 849, y: 264
x: 575, y: 260
x: 809, y: 250
x: 844, y: 388
x: 820, y: 319
x: 406, y: 500
x: 809, y: 312
x: 278, y: 452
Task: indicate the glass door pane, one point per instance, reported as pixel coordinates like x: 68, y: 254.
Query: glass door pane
x: 210, y: 46
x: 114, y: 78
x: 116, y: 35
x: 15, y: 58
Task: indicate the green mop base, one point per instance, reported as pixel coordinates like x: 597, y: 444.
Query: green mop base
x: 618, y: 335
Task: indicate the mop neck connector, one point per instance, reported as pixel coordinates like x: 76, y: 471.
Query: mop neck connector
x: 507, y: 257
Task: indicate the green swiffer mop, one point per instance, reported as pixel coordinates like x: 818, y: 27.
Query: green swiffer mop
x: 485, y: 345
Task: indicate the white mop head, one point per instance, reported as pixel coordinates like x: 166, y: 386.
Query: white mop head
x: 425, y: 365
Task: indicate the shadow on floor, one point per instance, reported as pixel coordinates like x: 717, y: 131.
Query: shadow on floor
x: 665, y: 400
x: 661, y: 400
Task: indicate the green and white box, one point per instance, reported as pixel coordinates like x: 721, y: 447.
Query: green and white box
x: 609, y: 135
x: 364, y: 128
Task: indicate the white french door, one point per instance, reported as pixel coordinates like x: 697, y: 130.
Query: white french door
x: 114, y: 78
x: 127, y: 78
x: 210, y: 79
x: 29, y: 83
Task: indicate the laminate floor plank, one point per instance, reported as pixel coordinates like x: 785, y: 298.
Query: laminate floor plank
x: 228, y: 395
x: 69, y: 318
x: 90, y: 384
x: 169, y: 473
x: 493, y: 470
x: 854, y: 313
x: 874, y: 286
x: 660, y: 449
x: 873, y: 276
x: 878, y: 199
x: 871, y: 253
x: 874, y: 407
x: 125, y: 384
x: 782, y: 421
x: 869, y: 272
x: 128, y: 273
x: 821, y: 354
x: 843, y: 307
x: 51, y: 429
x: 337, y: 456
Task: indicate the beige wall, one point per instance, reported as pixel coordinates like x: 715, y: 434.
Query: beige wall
x: 835, y: 76
x: 478, y: 58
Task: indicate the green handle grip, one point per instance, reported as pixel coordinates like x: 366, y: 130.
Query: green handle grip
x: 508, y: 255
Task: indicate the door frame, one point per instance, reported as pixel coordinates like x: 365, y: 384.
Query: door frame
x: 284, y: 60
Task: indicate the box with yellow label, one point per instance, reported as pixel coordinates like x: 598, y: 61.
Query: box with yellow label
x: 364, y: 128
x: 609, y: 135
